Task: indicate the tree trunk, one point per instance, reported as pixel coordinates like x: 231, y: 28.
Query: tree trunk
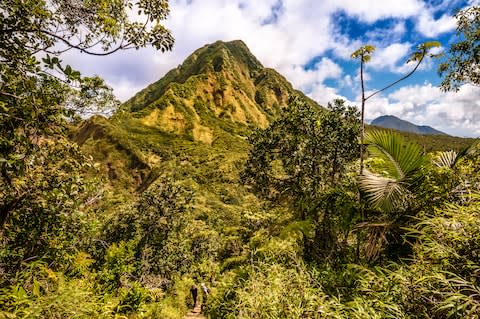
x: 362, y: 131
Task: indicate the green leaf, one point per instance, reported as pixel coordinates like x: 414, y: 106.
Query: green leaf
x: 402, y: 161
x: 68, y: 70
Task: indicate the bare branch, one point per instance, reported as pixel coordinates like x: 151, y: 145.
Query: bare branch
x: 399, y: 80
x: 10, y: 95
x: 85, y: 49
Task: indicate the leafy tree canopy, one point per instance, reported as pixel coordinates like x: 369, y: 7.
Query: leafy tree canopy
x: 463, y: 57
x: 37, y: 90
x: 94, y: 27
x: 304, y: 152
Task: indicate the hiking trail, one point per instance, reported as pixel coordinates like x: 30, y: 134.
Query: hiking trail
x: 195, y: 313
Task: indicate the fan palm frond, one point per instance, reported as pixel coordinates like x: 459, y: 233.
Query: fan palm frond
x: 451, y: 158
x: 402, y: 161
x: 383, y: 193
x: 446, y: 159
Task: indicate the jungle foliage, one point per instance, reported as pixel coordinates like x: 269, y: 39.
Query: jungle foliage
x: 220, y: 173
x: 462, y: 63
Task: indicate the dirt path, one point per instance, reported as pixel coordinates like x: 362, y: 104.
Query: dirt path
x: 195, y: 313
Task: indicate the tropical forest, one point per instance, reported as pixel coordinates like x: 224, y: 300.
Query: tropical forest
x: 226, y: 187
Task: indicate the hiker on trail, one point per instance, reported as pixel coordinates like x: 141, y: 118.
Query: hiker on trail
x: 194, y: 292
x: 205, y: 294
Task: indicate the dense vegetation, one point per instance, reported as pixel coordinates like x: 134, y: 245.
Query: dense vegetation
x: 220, y: 173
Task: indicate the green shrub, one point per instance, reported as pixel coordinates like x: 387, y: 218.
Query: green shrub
x: 267, y: 291
x: 40, y: 292
x: 131, y: 299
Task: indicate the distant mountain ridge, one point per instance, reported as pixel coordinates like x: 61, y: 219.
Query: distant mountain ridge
x: 393, y: 122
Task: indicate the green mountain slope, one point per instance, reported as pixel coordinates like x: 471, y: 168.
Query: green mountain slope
x: 193, y: 129
x: 192, y: 123
x: 221, y: 86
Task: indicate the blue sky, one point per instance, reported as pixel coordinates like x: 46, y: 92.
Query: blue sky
x: 310, y: 42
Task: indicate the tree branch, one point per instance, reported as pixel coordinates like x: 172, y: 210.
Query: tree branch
x: 399, y: 80
x: 10, y: 95
x: 84, y: 49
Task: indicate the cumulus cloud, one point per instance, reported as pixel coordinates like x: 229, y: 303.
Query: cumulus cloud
x: 301, y: 30
x: 304, y: 78
x: 324, y: 94
x: 372, y: 10
x: 311, y: 81
x: 390, y: 56
x: 281, y: 33
x: 124, y: 87
x: 431, y: 27
x: 286, y: 35
x: 454, y: 113
x: 385, y: 36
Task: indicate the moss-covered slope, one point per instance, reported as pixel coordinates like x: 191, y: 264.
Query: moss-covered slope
x: 194, y: 121
x: 221, y: 86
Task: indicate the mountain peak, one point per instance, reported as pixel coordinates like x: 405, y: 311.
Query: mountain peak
x: 233, y: 46
x: 393, y: 122
x: 220, y: 86
x: 220, y: 55
x: 215, y: 57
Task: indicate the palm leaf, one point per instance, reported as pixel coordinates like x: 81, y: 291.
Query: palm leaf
x: 402, y: 159
x: 383, y: 193
x: 451, y: 158
x: 446, y: 159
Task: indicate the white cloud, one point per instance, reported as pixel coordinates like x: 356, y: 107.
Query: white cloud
x: 124, y: 88
x: 372, y: 10
x: 322, y: 70
x: 323, y: 94
x: 286, y: 39
x: 387, y: 35
x: 399, y: 29
x: 347, y: 82
x: 303, y: 30
x: 390, y: 56
x: 453, y: 113
x: 430, y: 27
x: 311, y: 81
